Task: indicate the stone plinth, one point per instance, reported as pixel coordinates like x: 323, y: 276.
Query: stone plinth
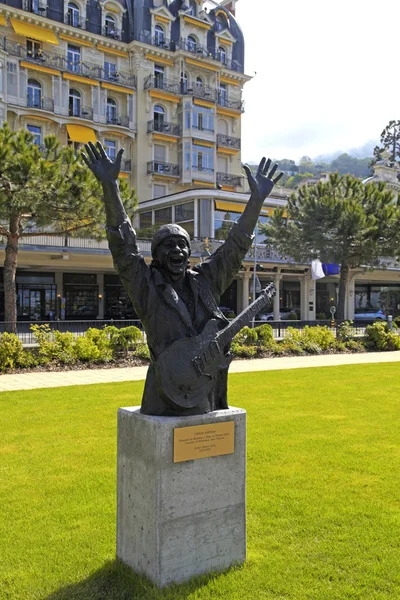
x: 177, y: 520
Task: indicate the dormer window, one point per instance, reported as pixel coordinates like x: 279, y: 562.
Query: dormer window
x: 73, y: 15
x: 222, y: 54
x: 159, y: 36
x: 192, y: 8
x: 110, y: 27
x: 221, y: 22
x: 191, y: 43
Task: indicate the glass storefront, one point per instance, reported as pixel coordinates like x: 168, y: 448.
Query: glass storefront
x: 36, y: 296
x: 117, y: 303
x: 81, y: 296
x: 224, y: 221
x: 378, y: 296
x: 290, y: 294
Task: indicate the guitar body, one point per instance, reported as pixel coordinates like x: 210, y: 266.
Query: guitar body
x: 179, y: 375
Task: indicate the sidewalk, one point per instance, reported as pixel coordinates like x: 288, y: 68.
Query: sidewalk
x: 29, y: 381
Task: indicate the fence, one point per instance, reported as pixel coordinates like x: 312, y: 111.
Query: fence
x: 280, y: 327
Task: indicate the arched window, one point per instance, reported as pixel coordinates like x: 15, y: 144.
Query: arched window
x: 73, y: 15
x: 191, y: 43
x: 74, y: 103
x: 158, y: 35
x: 158, y: 115
x: 199, y: 81
x: 34, y: 94
x: 110, y: 28
x: 222, y: 94
x: 222, y: 54
x: 184, y: 83
x: 111, y: 111
x: 221, y: 22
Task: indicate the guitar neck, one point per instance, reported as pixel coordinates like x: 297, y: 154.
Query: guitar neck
x: 225, y: 336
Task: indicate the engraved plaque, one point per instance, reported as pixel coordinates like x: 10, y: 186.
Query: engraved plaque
x: 204, y: 441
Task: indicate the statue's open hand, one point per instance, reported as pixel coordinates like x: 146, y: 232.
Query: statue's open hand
x: 261, y: 185
x: 104, y: 169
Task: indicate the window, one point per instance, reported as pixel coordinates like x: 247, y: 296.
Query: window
x: 12, y: 87
x: 34, y: 94
x: 145, y: 219
x: 159, y: 191
x: 110, y: 71
x: 34, y: 49
x: 184, y: 216
x: 184, y: 83
x: 73, y: 16
x: 74, y: 103
x: 163, y: 216
x: 222, y: 94
x: 159, y: 158
x: 222, y: 54
x: 203, y: 159
x: 191, y: 43
x: 159, y: 76
x: 158, y: 35
x: 111, y: 111
x: 158, y: 115
x: 73, y: 58
x: 203, y: 118
x: 36, y: 132
x: 109, y: 26
x: 111, y: 149
x: 199, y: 81
x: 221, y: 23
x: 223, y: 223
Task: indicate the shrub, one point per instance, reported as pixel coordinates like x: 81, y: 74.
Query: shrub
x: 86, y: 350
x: 396, y: 321
x: 142, y: 351
x: 26, y: 360
x: 246, y: 336
x: 11, y: 350
x: 321, y: 316
x: 123, y: 340
x: 355, y: 346
x: 264, y: 333
x: 379, y: 337
x: 293, y: 316
x: 243, y: 351
x: 345, y: 331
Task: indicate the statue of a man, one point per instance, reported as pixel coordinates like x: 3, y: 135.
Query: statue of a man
x: 172, y: 300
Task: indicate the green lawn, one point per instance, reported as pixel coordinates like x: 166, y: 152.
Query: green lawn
x: 323, y: 490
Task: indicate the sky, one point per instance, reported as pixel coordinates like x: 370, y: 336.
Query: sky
x: 325, y: 75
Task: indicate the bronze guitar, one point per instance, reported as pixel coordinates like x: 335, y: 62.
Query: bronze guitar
x: 201, y: 357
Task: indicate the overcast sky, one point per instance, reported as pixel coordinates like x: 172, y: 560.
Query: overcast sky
x: 327, y: 75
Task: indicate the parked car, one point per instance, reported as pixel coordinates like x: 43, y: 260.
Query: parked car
x: 369, y: 314
x: 284, y: 313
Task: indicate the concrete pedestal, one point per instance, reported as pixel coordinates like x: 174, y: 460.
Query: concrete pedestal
x: 177, y: 520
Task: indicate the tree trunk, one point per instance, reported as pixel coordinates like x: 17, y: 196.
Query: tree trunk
x: 343, y: 282
x: 10, y: 292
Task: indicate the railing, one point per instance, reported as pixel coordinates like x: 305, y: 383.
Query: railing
x: 83, y: 112
x: 222, y: 100
x: 121, y: 120
x: 126, y: 165
x: 35, y: 6
x: 201, y: 169
x: 198, y: 91
x: 226, y: 140
x: 164, y: 127
x: 160, y: 83
x: 121, y: 77
x: 194, y: 48
x: 111, y: 32
x: 162, y: 43
x: 280, y: 328
x: 41, y: 103
x: 162, y: 168
x: 228, y: 179
x: 74, y: 21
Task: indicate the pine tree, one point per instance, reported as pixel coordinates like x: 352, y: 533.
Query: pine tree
x: 44, y: 192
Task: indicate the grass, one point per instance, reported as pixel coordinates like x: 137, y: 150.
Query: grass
x: 323, y: 493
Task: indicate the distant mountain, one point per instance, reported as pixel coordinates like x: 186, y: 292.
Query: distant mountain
x: 364, y: 151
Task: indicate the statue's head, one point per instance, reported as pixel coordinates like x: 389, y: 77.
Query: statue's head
x: 170, y: 249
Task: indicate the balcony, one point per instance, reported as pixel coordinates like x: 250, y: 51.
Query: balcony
x: 162, y: 168
x: 120, y: 120
x: 82, y: 112
x: 119, y: 77
x: 41, y: 103
x: 163, y: 127
x: 160, y: 83
x: 228, y: 141
x: 228, y: 179
x: 193, y: 48
x: 199, y: 91
x: 162, y: 43
x: 126, y: 165
x: 35, y: 6
x: 112, y: 32
x: 74, y: 20
x: 235, y: 104
x: 200, y: 169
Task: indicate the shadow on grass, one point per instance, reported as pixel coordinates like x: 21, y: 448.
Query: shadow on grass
x: 116, y: 581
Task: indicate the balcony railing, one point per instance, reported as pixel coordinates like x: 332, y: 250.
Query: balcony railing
x: 194, y: 48
x: 75, y: 21
x: 199, y: 91
x: 160, y: 83
x: 121, y: 120
x: 112, y: 32
x: 162, y: 43
x: 126, y: 165
x: 41, y: 103
x: 228, y: 141
x: 58, y: 61
x: 228, y: 179
x: 235, y: 104
x: 201, y: 169
x: 82, y: 112
x: 35, y: 6
x: 162, y: 168
x: 163, y: 127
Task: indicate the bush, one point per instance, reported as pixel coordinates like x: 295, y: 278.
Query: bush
x: 27, y: 360
x: 86, y: 350
x: 293, y: 316
x: 396, y: 321
x: 264, y: 334
x: 142, y: 351
x: 355, y: 346
x: 246, y: 336
x: 321, y: 316
x: 243, y: 351
x: 345, y: 331
x: 379, y: 337
x: 11, y: 351
x: 123, y: 340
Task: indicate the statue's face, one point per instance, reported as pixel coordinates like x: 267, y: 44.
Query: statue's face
x: 173, y: 256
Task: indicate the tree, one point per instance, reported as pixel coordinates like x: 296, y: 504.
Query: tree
x: 340, y: 221
x: 390, y: 140
x: 348, y: 165
x: 306, y: 165
x: 44, y: 191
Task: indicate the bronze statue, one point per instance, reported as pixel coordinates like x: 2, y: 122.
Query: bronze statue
x: 178, y: 305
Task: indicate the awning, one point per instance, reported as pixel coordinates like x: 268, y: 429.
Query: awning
x: 31, y: 31
x: 237, y: 207
x: 80, y: 133
x: 3, y: 20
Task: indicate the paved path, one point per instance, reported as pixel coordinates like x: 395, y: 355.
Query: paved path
x: 28, y: 381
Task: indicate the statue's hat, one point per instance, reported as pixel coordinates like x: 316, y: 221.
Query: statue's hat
x: 167, y: 231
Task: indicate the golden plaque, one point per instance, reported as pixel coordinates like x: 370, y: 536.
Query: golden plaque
x: 204, y: 441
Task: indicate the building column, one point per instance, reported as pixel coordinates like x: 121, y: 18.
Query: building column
x: 277, y: 300
x: 101, y: 299
x: 303, y: 299
x: 312, y: 297
x: 58, y: 280
x: 245, y: 289
x: 350, y: 298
